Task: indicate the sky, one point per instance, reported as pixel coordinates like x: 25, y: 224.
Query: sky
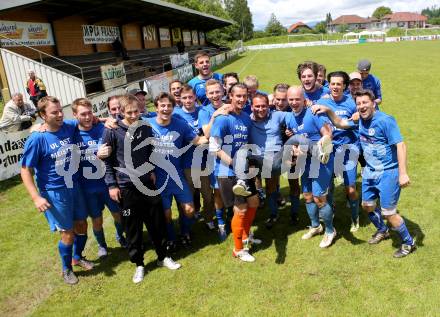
x: 291, y: 11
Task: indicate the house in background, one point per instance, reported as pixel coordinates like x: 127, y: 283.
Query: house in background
x: 296, y: 27
x: 404, y: 20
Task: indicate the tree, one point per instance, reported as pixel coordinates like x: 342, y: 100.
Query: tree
x: 342, y: 28
x: 382, y: 11
x: 321, y: 27
x: 328, y: 18
x: 433, y: 15
x: 274, y: 27
x: 239, y: 11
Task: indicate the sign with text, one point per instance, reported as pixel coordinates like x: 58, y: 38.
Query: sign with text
x: 178, y: 60
x: 26, y: 33
x: 184, y: 73
x: 11, y: 151
x: 113, y: 76
x: 164, y: 34
x: 186, y: 36
x: 176, y: 35
x: 100, y: 34
x: 195, y: 37
x: 156, y: 84
x: 149, y: 32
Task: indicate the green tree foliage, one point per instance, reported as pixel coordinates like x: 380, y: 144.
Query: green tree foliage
x: 342, y: 28
x: 274, y: 27
x: 433, y: 15
x: 328, y: 18
x: 321, y: 27
x: 381, y: 11
x: 239, y: 11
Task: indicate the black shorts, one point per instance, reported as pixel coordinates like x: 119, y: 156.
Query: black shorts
x: 225, y: 185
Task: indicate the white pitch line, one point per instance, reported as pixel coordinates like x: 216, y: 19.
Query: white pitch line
x: 247, y: 64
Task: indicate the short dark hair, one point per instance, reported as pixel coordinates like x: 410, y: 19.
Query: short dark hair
x: 163, y: 95
x: 364, y: 92
x: 321, y: 68
x: 238, y: 86
x: 44, y: 102
x: 227, y: 75
x: 261, y: 96
x: 80, y: 102
x: 307, y: 65
x: 186, y: 88
x: 175, y: 81
x: 341, y: 74
x: 111, y: 98
x: 281, y: 87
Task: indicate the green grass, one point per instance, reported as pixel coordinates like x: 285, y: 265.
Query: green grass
x: 290, y: 277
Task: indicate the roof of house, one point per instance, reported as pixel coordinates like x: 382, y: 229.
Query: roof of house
x: 349, y: 19
x: 404, y: 17
x: 297, y: 25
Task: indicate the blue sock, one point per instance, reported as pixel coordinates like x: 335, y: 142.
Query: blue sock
x: 100, y: 238
x: 260, y: 193
x: 79, y: 244
x: 66, y: 255
x: 219, y: 216
x: 119, y: 230
x: 312, y: 210
x: 185, y: 225
x: 326, y: 213
x: 376, y: 219
x: 171, y: 234
x: 404, y: 234
x: 273, y: 206
x: 354, y: 207
x: 294, y: 206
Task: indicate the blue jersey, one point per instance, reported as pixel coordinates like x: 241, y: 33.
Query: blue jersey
x: 267, y: 133
x: 344, y: 109
x: 205, y: 115
x: 317, y: 94
x: 198, y: 85
x: 306, y: 124
x: 373, y: 83
x: 88, y: 142
x: 45, y: 152
x: 166, y: 144
x: 378, y: 137
x: 236, y: 127
x: 193, y: 120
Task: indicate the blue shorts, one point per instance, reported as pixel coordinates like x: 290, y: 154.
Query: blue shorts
x: 385, y: 187
x: 182, y: 196
x: 346, y: 164
x: 319, y: 185
x: 60, y: 214
x: 97, y: 199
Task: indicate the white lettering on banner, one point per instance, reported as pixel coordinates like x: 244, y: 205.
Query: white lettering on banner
x: 195, y: 37
x: 164, y: 34
x: 149, y: 32
x: 113, y: 76
x: 186, y: 36
x: 156, y: 84
x: 100, y: 34
x: 178, y: 60
x: 26, y: 33
x: 184, y: 73
x: 11, y: 151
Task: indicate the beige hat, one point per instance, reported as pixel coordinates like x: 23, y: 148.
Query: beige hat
x: 355, y: 75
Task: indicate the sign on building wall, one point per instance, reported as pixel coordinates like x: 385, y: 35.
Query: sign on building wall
x: 149, y: 32
x: 184, y: 73
x: 187, y: 36
x: 164, y: 34
x: 202, y: 37
x: 100, y: 34
x: 113, y: 76
x: 176, y: 35
x: 26, y: 33
x: 178, y: 60
x: 195, y: 37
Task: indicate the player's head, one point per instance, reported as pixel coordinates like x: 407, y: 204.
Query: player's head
x: 365, y: 103
x: 322, y: 71
x: 113, y: 105
x: 82, y: 111
x: 229, y: 79
x: 296, y: 99
x: 364, y: 66
x: 175, y: 88
x: 307, y: 73
x: 130, y: 108
x: 140, y: 95
x: 214, y: 92
x: 202, y: 63
x: 260, y: 106
x: 355, y: 82
x: 252, y: 85
x: 50, y: 110
x: 17, y: 98
x: 280, y: 97
x: 187, y: 97
x: 338, y: 82
x: 239, y: 96
x: 164, y: 104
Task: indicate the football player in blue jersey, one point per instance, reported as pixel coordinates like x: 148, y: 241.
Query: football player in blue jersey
x: 307, y: 73
x: 321, y: 78
x: 370, y: 81
x: 203, y: 66
x: 175, y: 89
x: 386, y: 170
x: 229, y: 80
x: 59, y: 195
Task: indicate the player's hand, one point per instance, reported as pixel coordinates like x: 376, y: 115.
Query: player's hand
x: 223, y: 110
x: 110, y: 123
x: 297, y: 151
x: 41, y: 203
x: 318, y: 109
x: 95, y: 120
x: 104, y: 151
x: 309, y: 103
x: 355, y: 117
x: 153, y: 177
x: 289, y: 133
x: 115, y: 194
x: 404, y: 180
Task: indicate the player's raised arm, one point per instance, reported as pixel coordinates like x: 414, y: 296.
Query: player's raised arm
x: 336, y: 120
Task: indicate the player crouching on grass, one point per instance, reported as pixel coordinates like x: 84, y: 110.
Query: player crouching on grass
x: 228, y: 134
x: 385, y: 173
x: 135, y: 189
x: 59, y: 195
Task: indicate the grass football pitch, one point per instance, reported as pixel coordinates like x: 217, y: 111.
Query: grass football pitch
x: 290, y: 277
